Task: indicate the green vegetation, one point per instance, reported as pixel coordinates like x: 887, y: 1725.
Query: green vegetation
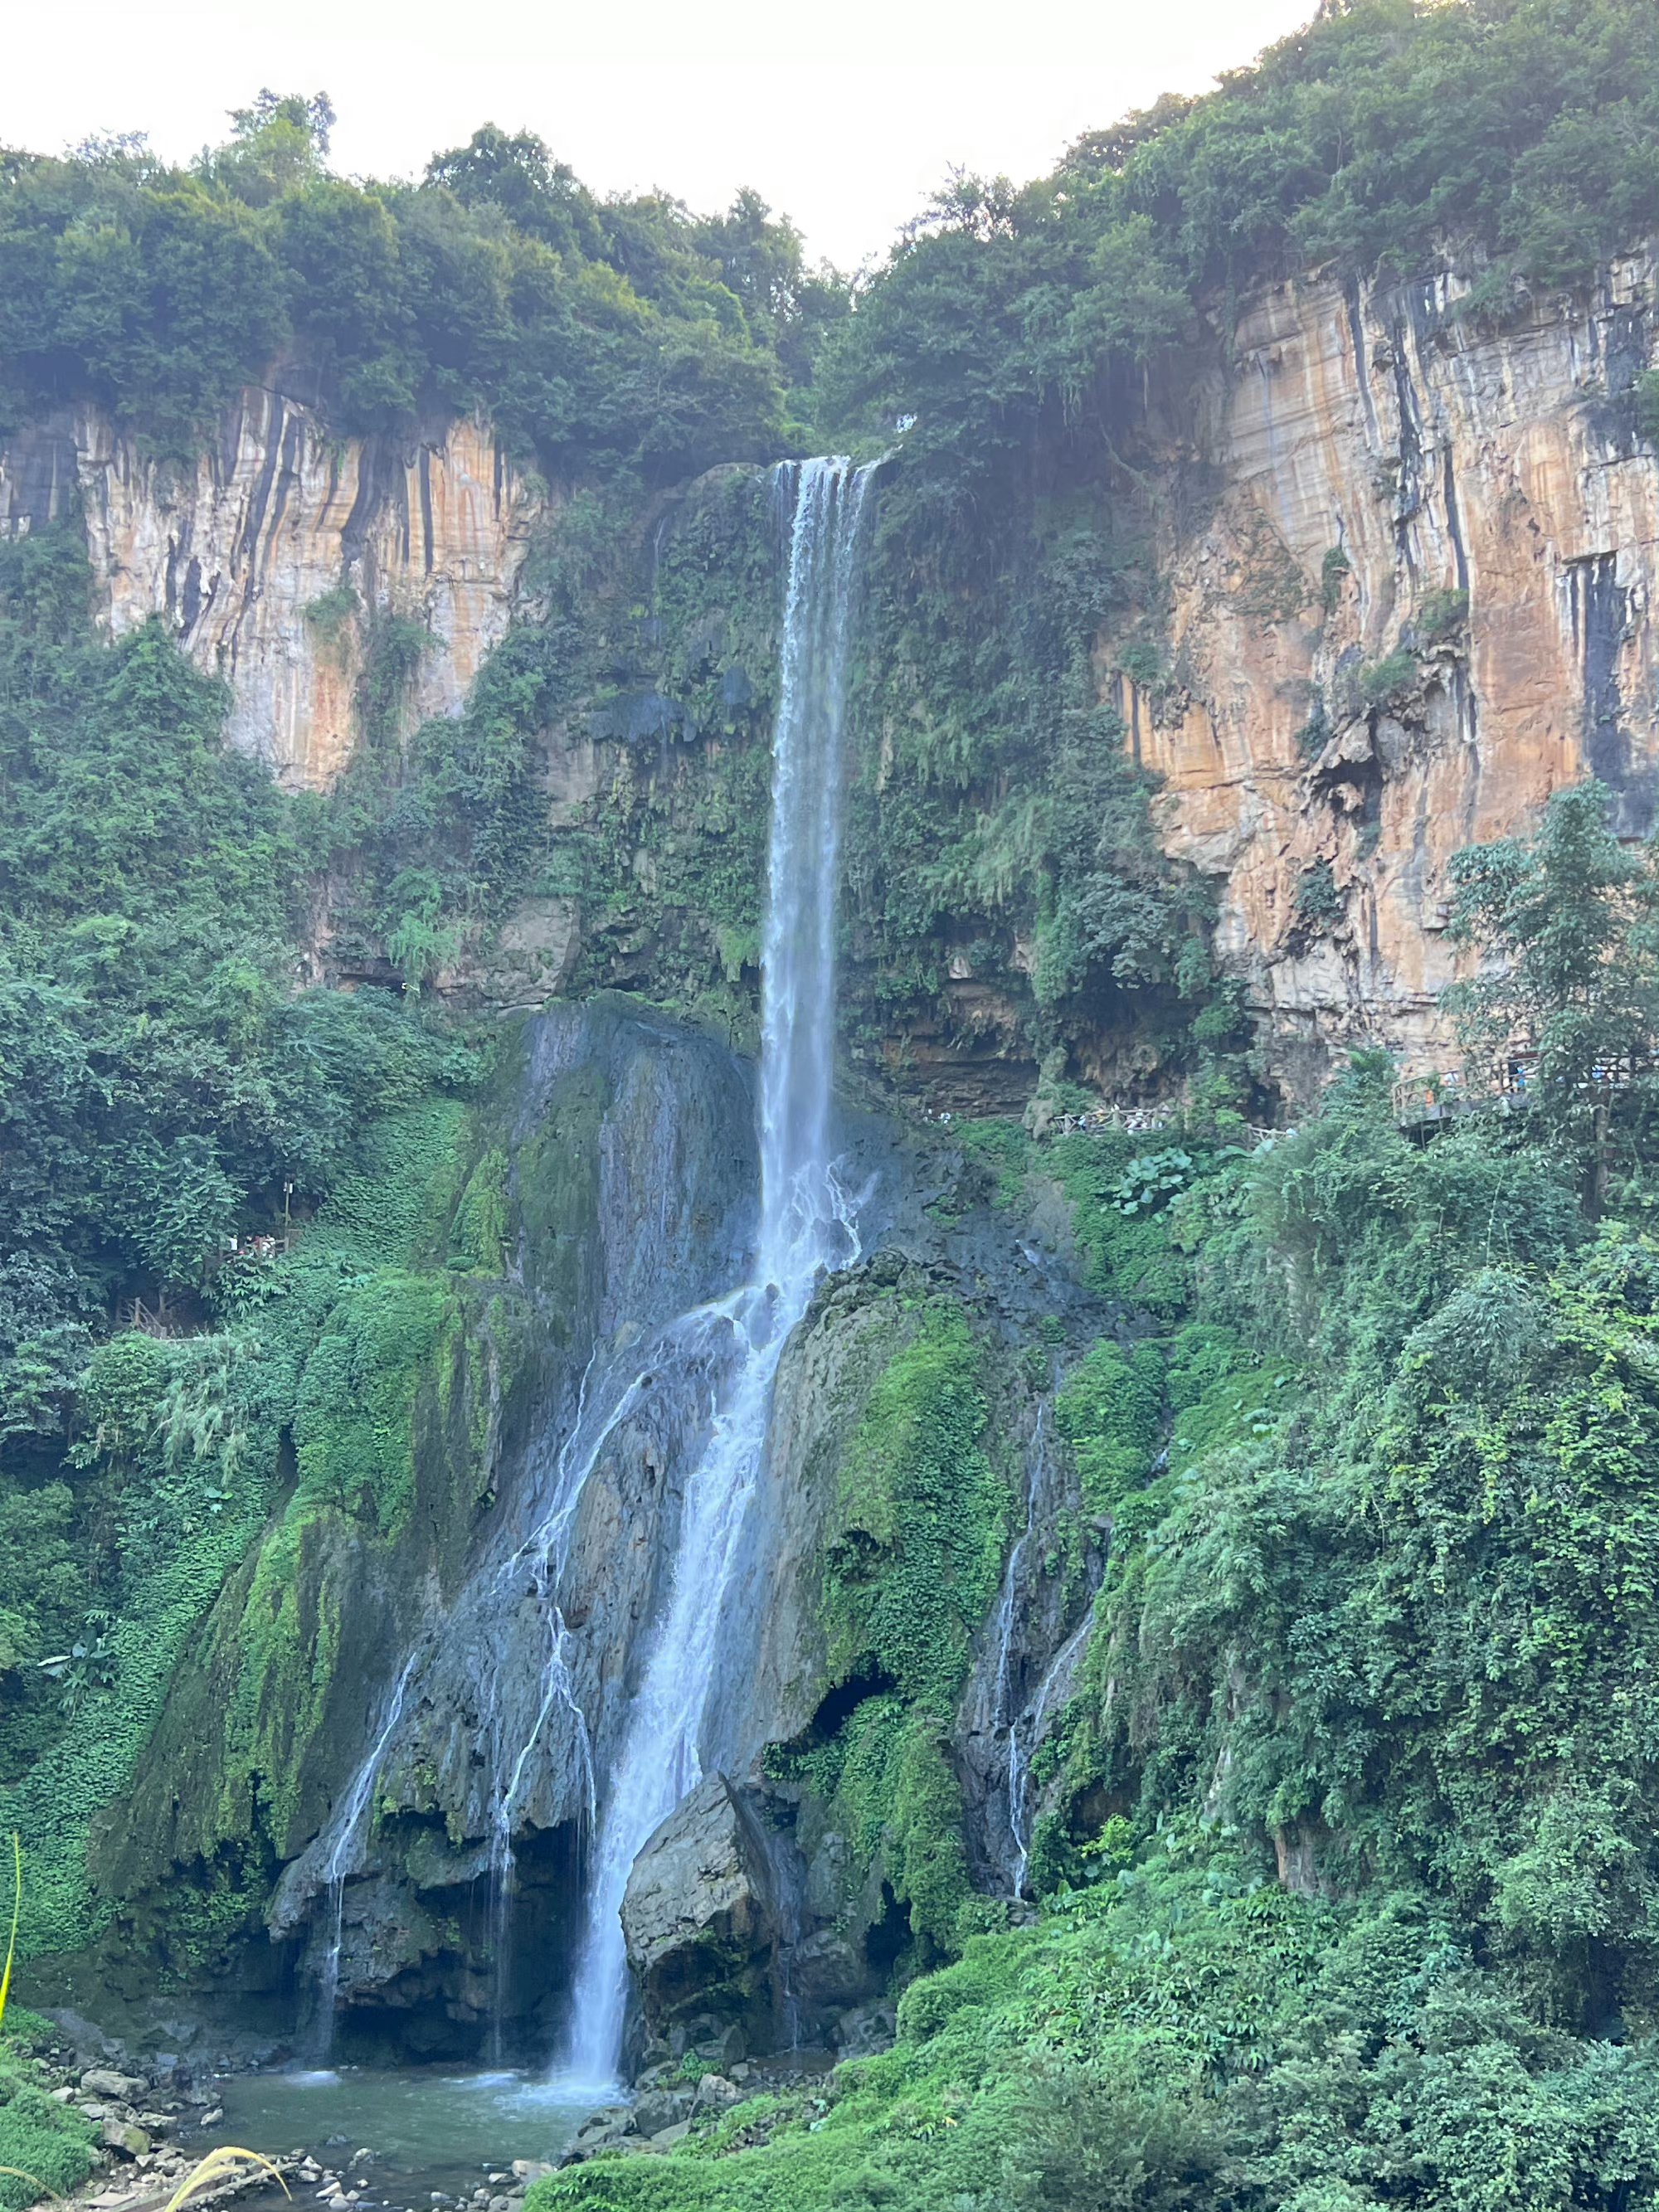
x: 999, y: 827
x: 1388, y: 683
x: 1573, y: 918
x: 919, y: 1520
x: 1385, y: 135
x: 911, y: 1552
x: 39, y: 2136
x: 1187, y: 2036
x: 616, y: 336
x: 997, y: 805
x: 167, y: 1089
x: 1346, y: 1854
x: 177, y: 1465
x: 1441, y: 616
x: 1318, y: 900
x: 1346, y: 1867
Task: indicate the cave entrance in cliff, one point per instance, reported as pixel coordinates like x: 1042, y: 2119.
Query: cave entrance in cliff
x: 539, y: 1935
x: 448, y: 2004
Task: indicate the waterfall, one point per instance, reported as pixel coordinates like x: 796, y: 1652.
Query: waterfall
x: 807, y: 1225
x: 1006, y: 1713
x: 342, y: 1860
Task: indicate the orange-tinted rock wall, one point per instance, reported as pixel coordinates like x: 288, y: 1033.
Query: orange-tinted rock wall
x: 1440, y: 455
x: 245, y: 553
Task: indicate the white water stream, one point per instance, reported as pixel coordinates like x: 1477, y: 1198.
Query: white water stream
x: 734, y: 1341
x: 345, y: 1854
x: 806, y: 1225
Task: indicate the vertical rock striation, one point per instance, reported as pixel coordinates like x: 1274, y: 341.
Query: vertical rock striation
x: 271, y: 558
x: 1334, y: 722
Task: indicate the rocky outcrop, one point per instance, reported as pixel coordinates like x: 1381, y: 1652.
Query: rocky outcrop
x: 701, y: 1907
x: 1335, y: 718
x: 277, y: 556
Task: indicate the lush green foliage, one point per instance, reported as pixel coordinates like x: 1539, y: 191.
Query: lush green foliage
x: 1187, y: 2036
x: 162, y: 1079
x: 918, y: 1525
x: 996, y: 806
x: 38, y: 2135
x: 912, y: 1549
x: 1573, y: 991
x: 662, y: 649
x: 614, y: 336
x: 161, y: 1076
x: 1386, y: 133
x: 177, y: 1464
x: 1347, y: 1841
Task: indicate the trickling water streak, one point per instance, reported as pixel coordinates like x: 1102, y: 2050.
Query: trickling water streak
x: 807, y: 1224
x: 1006, y: 1716
x: 342, y: 1861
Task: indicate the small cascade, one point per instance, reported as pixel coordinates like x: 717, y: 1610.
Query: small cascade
x: 807, y: 1225
x: 1019, y: 1717
x: 686, y: 1344
x: 1026, y: 1735
x: 343, y: 1858
x: 1007, y: 1714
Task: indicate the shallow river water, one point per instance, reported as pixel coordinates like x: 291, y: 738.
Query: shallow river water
x: 429, y: 2128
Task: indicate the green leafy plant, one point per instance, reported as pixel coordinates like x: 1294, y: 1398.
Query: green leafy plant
x: 1388, y: 683
x: 1152, y: 1180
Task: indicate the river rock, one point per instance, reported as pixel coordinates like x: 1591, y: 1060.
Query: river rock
x: 661, y: 2108
x: 698, y: 1903
x: 121, y: 2089
x: 126, y: 2137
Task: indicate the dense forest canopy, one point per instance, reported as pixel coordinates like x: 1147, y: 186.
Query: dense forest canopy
x: 598, y: 335
x: 628, y: 332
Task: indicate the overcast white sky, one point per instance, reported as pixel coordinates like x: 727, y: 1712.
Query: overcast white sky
x: 845, y: 118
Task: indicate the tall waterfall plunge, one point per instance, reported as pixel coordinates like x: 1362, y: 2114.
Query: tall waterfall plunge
x: 806, y: 1224
x: 502, y: 1695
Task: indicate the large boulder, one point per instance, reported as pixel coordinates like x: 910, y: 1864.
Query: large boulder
x: 700, y: 1913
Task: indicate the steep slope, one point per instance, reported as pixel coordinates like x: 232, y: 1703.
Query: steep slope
x: 1415, y: 604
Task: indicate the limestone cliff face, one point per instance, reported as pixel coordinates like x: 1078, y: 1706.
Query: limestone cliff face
x: 1363, y: 455
x: 271, y: 557
x: 1409, y: 553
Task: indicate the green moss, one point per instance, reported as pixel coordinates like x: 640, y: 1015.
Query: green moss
x: 479, y: 1233
x: 916, y: 1537
x: 1222, y: 1391
x: 1110, y: 1411
x: 887, y: 1784
x: 354, y: 1417
x: 332, y: 1346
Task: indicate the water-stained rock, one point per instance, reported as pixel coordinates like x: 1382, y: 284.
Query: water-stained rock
x: 701, y: 1883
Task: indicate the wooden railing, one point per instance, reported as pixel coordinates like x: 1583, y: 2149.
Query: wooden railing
x: 1445, y: 1094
